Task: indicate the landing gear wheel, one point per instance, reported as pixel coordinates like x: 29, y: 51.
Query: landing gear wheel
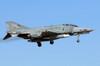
x: 39, y: 44
x: 51, y: 42
x: 78, y: 41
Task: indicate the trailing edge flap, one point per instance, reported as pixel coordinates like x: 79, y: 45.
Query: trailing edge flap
x: 7, y: 36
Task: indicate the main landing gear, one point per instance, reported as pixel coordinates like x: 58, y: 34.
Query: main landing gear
x: 78, y: 38
x: 39, y: 44
x: 51, y: 42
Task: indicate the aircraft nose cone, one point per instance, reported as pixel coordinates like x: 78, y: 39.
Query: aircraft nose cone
x: 89, y: 29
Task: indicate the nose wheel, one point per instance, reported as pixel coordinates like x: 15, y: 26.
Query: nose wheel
x: 78, y: 38
x: 78, y: 41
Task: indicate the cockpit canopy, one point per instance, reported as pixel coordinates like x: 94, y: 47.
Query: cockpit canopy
x: 70, y: 25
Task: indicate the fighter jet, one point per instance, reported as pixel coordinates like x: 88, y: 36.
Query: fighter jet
x: 47, y: 33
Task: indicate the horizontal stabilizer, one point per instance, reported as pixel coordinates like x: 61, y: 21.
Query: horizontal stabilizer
x: 7, y: 36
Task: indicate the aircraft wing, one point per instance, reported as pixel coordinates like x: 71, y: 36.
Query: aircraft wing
x: 36, y: 34
x: 47, y: 34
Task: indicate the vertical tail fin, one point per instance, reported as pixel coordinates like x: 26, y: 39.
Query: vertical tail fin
x: 12, y: 26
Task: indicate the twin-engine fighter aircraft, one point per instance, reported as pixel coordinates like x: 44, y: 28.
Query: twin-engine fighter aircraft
x: 48, y: 33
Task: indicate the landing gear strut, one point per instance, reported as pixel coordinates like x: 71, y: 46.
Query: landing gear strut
x: 51, y: 42
x: 39, y: 44
x: 78, y: 38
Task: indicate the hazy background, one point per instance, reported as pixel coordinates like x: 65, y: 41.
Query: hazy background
x: 38, y: 13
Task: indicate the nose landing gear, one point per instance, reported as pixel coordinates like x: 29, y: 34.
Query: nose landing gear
x: 78, y: 38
